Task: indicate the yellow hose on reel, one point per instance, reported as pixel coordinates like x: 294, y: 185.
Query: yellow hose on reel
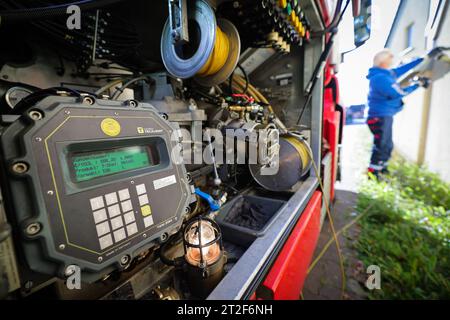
x: 217, y: 52
x: 219, y: 55
x: 224, y: 56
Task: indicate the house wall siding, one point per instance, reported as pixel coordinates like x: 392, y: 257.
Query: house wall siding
x: 408, y: 123
x: 437, y: 151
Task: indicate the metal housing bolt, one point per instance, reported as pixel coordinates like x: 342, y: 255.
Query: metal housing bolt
x: 35, y: 115
x: 163, y: 237
x: 33, y: 228
x: 20, y: 167
x: 88, y: 100
x: 124, y: 260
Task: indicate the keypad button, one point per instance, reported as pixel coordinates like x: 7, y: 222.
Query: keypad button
x: 126, y: 206
x: 132, y: 229
x: 146, y: 210
x: 102, y: 228
x: 148, y: 221
x: 116, y: 223
x: 97, y: 203
x: 105, y: 241
x: 111, y: 198
x: 129, y: 217
x: 100, y: 216
x: 119, y: 235
x: 124, y: 194
x: 113, y: 211
x: 143, y: 199
x: 140, y: 189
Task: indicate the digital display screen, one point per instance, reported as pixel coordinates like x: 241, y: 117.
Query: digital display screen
x: 91, y: 165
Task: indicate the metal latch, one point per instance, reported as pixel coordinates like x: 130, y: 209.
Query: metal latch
x: 178, y: 21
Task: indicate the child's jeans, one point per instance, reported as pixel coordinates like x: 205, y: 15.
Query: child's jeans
x: 381, y: 128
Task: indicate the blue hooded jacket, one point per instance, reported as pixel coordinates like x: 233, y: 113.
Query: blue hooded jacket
x: 385, y: 95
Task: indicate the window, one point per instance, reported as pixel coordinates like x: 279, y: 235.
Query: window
x: 409, y: 36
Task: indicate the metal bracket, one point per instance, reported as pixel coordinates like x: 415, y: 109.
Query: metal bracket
x: 178, y: 21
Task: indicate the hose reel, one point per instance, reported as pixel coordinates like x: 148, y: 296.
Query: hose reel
x: 212, y: 52
x: 294, y: 163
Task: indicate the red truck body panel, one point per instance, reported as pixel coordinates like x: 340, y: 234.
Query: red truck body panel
x: 287, y: 276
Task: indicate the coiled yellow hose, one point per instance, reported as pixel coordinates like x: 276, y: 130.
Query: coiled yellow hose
x: 219, y: 55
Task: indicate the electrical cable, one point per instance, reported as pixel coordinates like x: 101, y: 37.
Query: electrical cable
x: 108, y: 86
x: 328, y: 244
x: 162, y: 254
x: 327, y: 207
x: 255, y: 93
x: 115, y: 43
x: 120, y: 90
x: 344, y: 228
x: 320, y: 65
x: 245, y: 76
x: 244, y: 91
x: 336, y: 15
x: 17, y: 15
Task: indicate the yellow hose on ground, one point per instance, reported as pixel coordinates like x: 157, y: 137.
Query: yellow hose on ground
x: 333, y: 230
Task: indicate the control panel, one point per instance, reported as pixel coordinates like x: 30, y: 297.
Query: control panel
x: 91, y: 185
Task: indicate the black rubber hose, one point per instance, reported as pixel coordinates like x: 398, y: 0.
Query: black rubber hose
x: 164, y: 259
x: 27, y: 14
x: 162, y: 251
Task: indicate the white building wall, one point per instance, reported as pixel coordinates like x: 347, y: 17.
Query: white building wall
x: 437, y: 150
x: 407, y: 124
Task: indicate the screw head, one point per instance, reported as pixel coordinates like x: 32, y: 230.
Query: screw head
x: 33, y: 228
x: 100, y: 259
x: 88, y: 100
x: 124, y: 260
x: 20, y: 167
x: 38, y: 139
x: 62, y: 246
x: 50, y: 192
x: 132, y: 103
x: 163, y: 237
x: 35, y: 115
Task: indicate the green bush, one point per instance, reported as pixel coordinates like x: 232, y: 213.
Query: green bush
x: 406, y: 232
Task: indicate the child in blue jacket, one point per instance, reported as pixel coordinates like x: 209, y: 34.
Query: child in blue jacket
x: 384, y: 101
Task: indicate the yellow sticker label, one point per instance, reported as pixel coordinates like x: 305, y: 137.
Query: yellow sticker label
x: 110, y: 127
x: 140, y: 130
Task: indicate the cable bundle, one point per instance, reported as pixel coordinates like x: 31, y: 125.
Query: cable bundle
x: 103, y: 35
